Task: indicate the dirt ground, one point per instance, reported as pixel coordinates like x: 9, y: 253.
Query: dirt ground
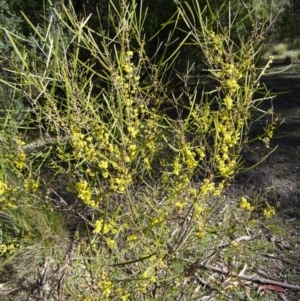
x: 281, y: 170
x: 277, y: 179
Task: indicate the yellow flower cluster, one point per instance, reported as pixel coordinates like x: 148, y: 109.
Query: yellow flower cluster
x: 209, y: 188
x: 8, y: 248
x: 119, y: 184
x: 31, y: 185
x: 84, y: 147
x: 186, y: 160
x: 202, y: 118
x: 106, y: 228
x: 177, y: 166
x: 111, y: 243
x: 231, y: 71
x: 123, y: 150
x: 228, y: 102
x: 246, y: 205
x: 132, y: 237
x: 107, y: 290
x: 128, y: 65
x: 124, y: 295
x: 191, y: 194
x: 101, y: 226
x: 197, y: 209
x: 217, y: 41
x: 269, y: 134
x: 150, y: 274
x: 6, y: 201
x: 160, y: 218
x: 229, y: 119
x: 106, y: 286
x: 20, y: 161
x: 227, y: 138
x: 3, y: 187
x: 200, y: 230
x: 148, y: 277
x: 269, y: 212
x: 189, y: 156
x: 230, y: 77
x: 85, y: 194
x: 105, y: 156
x: 232, y: 85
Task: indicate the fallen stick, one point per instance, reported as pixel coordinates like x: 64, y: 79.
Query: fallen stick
x: 251, y: 278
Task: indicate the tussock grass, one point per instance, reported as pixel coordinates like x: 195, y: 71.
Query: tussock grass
x: 279, y: 49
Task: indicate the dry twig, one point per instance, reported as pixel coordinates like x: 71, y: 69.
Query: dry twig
x: 252, y: 278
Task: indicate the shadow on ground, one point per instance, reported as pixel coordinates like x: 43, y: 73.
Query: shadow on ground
x: 277, y: 179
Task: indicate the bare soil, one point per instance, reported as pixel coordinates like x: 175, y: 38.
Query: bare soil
x: 277, y: 180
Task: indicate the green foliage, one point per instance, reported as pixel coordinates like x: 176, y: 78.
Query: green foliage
x: 12, y: 110
x: 289, y: 21
x: 34, y: 9
x: 279, y: 49
x: 125, y: 163
x: 11, y: 22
